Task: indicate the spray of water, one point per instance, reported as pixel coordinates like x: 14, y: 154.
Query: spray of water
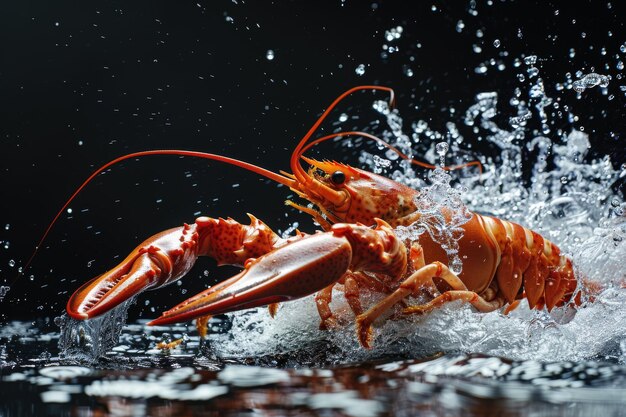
x: 568, y: 199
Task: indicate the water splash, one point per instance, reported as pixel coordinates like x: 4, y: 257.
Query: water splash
x: 442, y: 213
x: 566, y: 197
x: 89, y: 340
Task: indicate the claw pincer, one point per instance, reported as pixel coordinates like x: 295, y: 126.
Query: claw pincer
x: 168, y: 256
x: 158, y: 261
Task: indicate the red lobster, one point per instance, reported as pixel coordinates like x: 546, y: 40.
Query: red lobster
x: 503, y: 262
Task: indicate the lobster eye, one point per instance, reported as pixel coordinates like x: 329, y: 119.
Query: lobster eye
x: 338, y: 177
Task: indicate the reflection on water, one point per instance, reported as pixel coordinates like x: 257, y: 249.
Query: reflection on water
x: 185, y: 381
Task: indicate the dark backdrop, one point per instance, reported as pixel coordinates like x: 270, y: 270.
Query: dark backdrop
x: 82, y: 83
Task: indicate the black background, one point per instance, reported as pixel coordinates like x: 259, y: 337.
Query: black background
x: 127, y: 76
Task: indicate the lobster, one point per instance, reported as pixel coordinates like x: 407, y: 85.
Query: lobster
x: 503, y: 262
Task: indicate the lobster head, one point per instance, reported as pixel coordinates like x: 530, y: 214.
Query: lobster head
x: 347, y: 194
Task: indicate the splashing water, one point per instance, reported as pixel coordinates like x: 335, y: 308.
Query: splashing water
x: 89, y: 340
x: 568, y: 199
x: 432, y: 202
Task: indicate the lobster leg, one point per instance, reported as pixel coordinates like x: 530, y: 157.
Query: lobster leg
x: 480, y: 303
x: 322, y: 301
x: 324, y: 297
x: 168, y: 256
x: 420, y: 278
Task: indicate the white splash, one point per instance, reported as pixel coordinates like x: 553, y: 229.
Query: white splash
x: 568, y: 199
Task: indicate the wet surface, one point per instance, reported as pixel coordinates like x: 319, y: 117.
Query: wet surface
x: 187, y: 380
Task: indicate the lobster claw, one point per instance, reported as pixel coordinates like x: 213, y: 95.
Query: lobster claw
x: 160, y: 260
x: 293, y: 271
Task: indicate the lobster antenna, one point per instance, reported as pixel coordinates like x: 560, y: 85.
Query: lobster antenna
x: 296, y: 168
x: 258, y: 170
x: 392, y: 148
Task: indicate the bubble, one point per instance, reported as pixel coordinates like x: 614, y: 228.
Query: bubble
x: 459, y: 26
x: 269, y: 55
x: 12, y: 263
x: 360, y: 70
x: 343, y: 117
x: 496, y: 43
x: 7, y: 226
x: 69, y: 211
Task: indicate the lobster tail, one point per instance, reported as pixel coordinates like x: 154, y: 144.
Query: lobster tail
x: 530, y: 265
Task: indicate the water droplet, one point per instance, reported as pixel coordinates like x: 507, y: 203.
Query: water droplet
x: 442, y: 148
x: 459, y: 26
x: 622, y: 48
x: 477, y: 49
x: 481, y: 69
x: 393, y: 33
x: 456, y: 265
x: 7, y: 226
x: 4, y: 289
x: 620, y: 65
x: 343, y: 117
x: 69, y: 211
x: 530, y: 60
x: 56, y: 24
x: 589, y: 81
x: 269, y: 54
x: 80, y: 143
x: 360, y: 70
